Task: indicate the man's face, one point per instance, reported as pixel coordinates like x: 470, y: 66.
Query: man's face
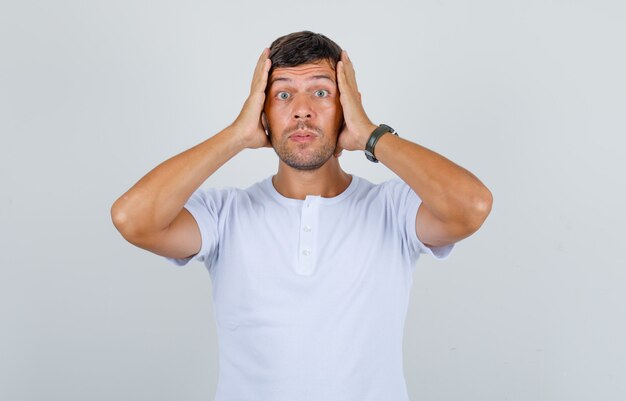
x: 303, y: 114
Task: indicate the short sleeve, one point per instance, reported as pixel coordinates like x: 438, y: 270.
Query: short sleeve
x: 206, y: 206
x: 407, y: 203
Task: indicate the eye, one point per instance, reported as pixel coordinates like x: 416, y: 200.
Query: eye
x: 283, y: 95
x: 321, y: 93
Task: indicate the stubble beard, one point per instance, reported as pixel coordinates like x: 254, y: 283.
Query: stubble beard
x: 305, y: 156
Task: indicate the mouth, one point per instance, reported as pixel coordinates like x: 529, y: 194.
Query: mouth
x: 302, y: 136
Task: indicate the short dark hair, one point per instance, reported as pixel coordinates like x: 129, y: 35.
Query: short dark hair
x: 303, y: 47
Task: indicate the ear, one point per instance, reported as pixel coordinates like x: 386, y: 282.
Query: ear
x: 264, y: 121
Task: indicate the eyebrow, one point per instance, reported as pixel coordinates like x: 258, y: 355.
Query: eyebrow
x: 314, y: 77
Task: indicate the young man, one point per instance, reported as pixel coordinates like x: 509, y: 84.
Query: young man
x: 312, y: 267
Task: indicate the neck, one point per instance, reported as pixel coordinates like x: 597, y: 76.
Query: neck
x: 327, y: 181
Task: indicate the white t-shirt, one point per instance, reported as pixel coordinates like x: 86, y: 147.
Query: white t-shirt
x: 310, y: 296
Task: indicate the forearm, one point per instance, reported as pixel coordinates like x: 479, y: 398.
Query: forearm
x: 449, y: 191
x: 156, y: 199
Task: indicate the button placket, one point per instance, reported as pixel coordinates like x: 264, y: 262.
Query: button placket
x: 307, y: 251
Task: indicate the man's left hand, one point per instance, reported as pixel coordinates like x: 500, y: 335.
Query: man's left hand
x: 357, y: 127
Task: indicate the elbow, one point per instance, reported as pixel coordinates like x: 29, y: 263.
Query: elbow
x: 132, y: 223
x: 119, y: 217
x: 481, y: 208
x: 123, y: 221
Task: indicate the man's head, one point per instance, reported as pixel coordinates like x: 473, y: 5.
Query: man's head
x: 303, y: 114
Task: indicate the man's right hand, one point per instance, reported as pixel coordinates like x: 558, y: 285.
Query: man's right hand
x: 151, y: 214
x: 248, y: 124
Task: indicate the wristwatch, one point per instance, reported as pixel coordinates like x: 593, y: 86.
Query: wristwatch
x: 374, y: 137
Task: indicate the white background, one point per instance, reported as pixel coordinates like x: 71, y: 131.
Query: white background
x: 527, y: 95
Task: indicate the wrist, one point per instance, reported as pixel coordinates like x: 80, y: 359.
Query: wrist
x: 236, y: 137
x: 374, y: 138
x: 366, y: 132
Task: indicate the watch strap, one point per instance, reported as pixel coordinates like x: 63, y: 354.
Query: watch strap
x: 373, y: 139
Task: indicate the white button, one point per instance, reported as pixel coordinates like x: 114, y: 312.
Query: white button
x: 307, y: 228
x: 306, y: 252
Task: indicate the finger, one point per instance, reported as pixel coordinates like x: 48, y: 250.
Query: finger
x: 338, y: 151
x: 259, y: 80
x: 265, y: 73
x: 341, y: 77
x: 350, y: 72
x: 264, y: 54
x: 339, y: 74
x: 348, y: 95
x: 259, y: 64
x: 264, y: 64
x: 258, y: 67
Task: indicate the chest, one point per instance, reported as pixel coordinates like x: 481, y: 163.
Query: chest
x: 280, y: 265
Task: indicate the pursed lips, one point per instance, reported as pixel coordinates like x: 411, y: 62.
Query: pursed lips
x: 302, y: 134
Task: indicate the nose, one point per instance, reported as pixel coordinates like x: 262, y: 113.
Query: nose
x: 302, y: 108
